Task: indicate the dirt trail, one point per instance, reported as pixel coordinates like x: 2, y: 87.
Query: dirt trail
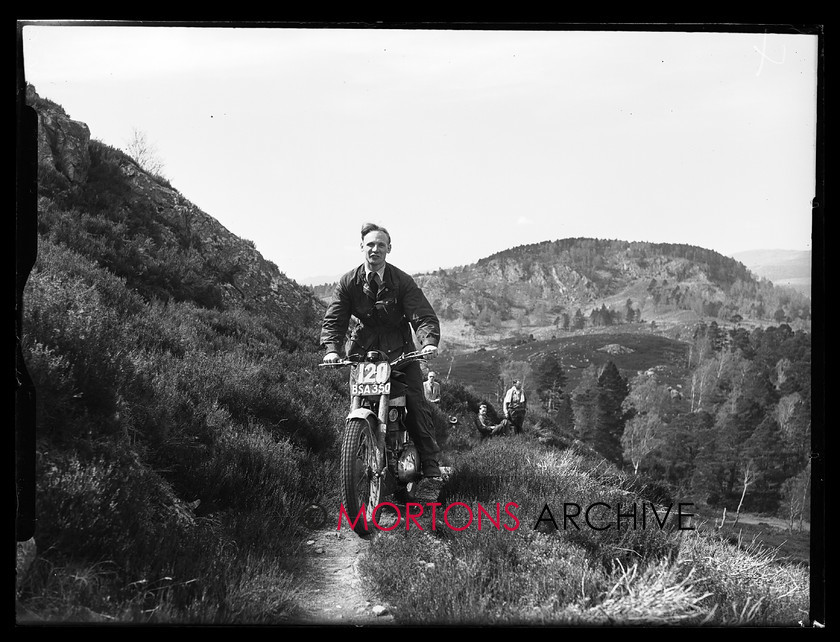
x: 338, y: 595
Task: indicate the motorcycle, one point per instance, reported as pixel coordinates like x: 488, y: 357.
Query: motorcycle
x: 377, y: 454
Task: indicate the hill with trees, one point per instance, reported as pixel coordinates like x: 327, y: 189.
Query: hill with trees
x: 546, y: 289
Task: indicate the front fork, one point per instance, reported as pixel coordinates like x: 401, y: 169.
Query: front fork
x: 379, y: 424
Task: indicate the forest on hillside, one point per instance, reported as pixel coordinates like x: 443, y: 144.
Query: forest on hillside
x: 731, y: 427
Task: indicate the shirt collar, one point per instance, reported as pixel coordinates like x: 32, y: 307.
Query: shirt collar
x: 380, y: 272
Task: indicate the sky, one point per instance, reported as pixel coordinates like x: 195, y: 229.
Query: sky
x: 462, y: 143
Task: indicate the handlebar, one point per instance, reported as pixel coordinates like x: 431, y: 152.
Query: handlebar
x: 417, y: 355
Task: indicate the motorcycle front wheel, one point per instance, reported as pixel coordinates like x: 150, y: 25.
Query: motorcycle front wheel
x: 359, y: 472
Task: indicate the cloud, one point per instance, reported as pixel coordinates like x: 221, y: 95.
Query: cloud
x: 524, y: 220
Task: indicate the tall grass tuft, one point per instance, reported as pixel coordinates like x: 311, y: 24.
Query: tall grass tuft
x: 749, y: 585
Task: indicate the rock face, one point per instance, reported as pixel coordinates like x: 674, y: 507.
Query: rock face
x: 62, y: 142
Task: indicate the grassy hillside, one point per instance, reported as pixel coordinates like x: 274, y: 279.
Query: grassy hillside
x: 180, y: 425
x: 522, y: 570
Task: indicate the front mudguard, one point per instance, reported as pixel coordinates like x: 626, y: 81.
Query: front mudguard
x: 366, y: 414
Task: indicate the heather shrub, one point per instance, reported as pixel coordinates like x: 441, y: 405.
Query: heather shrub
x: 250, y: 469
x: 106, y: 509
x: 65, y: 316
x: 60, y: 259
x: 169, y: 437
x: 51, y: 373
x: 458, y: 399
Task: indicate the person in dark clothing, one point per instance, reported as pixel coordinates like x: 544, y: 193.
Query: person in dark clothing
x: 388, y: 304
x: 485, y: 425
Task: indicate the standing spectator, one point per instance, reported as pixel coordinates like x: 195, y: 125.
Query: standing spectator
x: 432, y: 388
x: 515, y: 405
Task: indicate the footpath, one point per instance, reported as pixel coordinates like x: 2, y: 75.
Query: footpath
x: 336, y: 593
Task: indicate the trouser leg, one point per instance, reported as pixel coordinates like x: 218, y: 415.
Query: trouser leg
x: 419, y: 418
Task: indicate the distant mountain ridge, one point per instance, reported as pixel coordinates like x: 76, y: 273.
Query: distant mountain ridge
x: 783, y: 267
x: 577, y: 283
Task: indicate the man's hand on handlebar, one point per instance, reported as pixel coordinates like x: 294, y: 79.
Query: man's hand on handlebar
x: 429, y: 351
x: 332, y: 357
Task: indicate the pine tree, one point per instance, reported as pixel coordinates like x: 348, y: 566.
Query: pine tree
x: 773, y: 462
x: 629, y: 312
x: 612, y: 390
x: 585, y: 405
x: 549, y: 379
x: 680, y: 444
x: 564, y: 416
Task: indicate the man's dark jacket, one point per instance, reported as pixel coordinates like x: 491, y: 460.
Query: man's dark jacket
x: 383, y: 325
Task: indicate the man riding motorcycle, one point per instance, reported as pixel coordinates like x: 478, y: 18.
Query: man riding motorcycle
x: 388, y: 304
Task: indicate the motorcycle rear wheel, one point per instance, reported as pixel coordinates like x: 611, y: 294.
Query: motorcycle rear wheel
x: 361, y: 482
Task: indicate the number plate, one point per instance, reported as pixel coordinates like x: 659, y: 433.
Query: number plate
x: 367, y: 389
x: 371, y: 379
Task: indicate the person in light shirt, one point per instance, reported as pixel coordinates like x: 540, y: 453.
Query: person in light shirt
x: 515, y: 406
x: 432, y: 388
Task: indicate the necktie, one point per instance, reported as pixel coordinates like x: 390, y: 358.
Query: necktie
x: 373, y: 283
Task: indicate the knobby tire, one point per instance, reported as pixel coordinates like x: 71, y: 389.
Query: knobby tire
x: 360, y: 486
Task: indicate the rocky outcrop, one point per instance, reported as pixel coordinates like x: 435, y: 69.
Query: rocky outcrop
x: 62, y: 141
x: 615, y: 348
